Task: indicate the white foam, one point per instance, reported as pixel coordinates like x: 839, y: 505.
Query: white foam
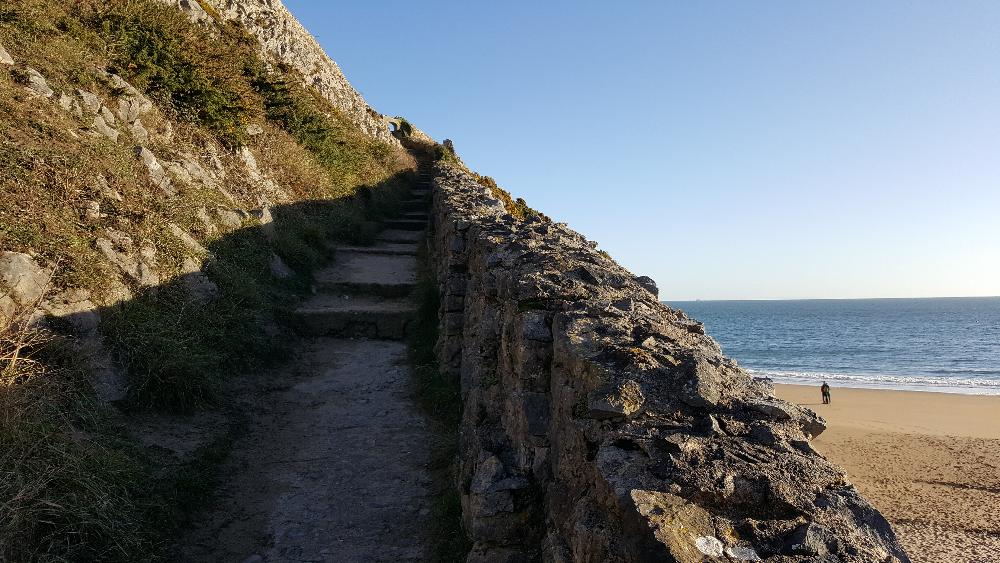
x: 964, y: 386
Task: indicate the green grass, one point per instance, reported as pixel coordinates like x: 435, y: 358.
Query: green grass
x: 72, y: 488
x: 183, y: 66
x: 440, y: 397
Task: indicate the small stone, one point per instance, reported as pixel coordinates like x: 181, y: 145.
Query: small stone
x: 742, y: 553
x: 253, y: 130
x: 5, y: 57
x: 709, y: 546
x: 92, y: 211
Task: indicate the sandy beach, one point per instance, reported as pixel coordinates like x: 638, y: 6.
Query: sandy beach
x: 929, y: 461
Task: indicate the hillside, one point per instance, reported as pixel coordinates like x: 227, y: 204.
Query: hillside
x: 168, y: 184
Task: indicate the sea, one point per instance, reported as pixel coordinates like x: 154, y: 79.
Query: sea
x: 937, y: 344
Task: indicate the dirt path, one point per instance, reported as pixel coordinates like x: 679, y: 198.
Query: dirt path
x: 333, y: 467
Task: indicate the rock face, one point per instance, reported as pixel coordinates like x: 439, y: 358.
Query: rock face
x: 601, y: 425
x: 284, y: 39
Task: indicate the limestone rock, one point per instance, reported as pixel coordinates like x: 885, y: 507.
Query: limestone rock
x: 109, y: 117
x: 22, y: 283
x: 138, y: 262
x: 189, y: 242
x: 279, y: 269
x: 207, y: 224
x: 199, y: 287
x: 102, y: 127
x: 157, y: 173
x: 232, y: 218
x: 75, y: 308
x: 36, y: 83
x: 5, y: 58
x: 139, y: 132
x: 91, y: 102
x: 69, y: 103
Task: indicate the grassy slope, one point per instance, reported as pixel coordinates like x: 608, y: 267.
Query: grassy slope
x: 72, y: 487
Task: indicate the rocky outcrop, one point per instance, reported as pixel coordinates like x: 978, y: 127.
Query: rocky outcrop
x: 285, y: 40
x: 601, y: 425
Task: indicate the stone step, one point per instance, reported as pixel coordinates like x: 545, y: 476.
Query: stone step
x: 384, y: 275
x: 393, y: 248
x: 415, y: 215
x: 353, y: 316
x: 394, y: 235
x: 416, y: 204
x: 406, y: 224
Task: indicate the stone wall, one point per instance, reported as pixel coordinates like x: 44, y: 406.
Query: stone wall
x: 602, y: 426
x: 284, y: 39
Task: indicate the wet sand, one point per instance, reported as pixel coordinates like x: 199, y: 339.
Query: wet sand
x: 929, y: 461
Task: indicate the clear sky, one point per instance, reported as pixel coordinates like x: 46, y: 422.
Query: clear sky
x: 743, y: 150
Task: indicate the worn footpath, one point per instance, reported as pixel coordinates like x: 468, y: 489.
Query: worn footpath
x: 332, y: 467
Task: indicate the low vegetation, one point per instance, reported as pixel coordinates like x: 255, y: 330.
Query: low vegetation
x: 441, y: 399
x: 71, y: 488
x: 517, y: 207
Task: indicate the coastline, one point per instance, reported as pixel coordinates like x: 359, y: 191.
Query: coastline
x: 917, y: 384
x: 929, y: 461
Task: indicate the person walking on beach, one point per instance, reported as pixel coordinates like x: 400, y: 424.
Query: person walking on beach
x: 825, y: 390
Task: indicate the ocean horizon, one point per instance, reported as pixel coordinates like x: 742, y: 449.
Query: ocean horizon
x: 942, y: 344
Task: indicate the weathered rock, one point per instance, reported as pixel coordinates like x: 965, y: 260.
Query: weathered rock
x: 649, y: 285
x: 611, y: 422
x: 75, y: 308
x: 139, y: 132
x: 69, y: 103
x: 207, y: 223
x: 91, y: 102
x: 138, y: 262
x: 279, y: 269
x: 5, y: 58
x: 36, y: 83
x: 102, y: 127
x: 22, y: 283
x: 199, y: 287
x: 189, y: 241
x: 109, y: 117
x: 157, y: 173
x: 231, y: 218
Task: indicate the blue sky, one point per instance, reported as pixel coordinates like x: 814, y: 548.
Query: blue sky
x: 730, y: 150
